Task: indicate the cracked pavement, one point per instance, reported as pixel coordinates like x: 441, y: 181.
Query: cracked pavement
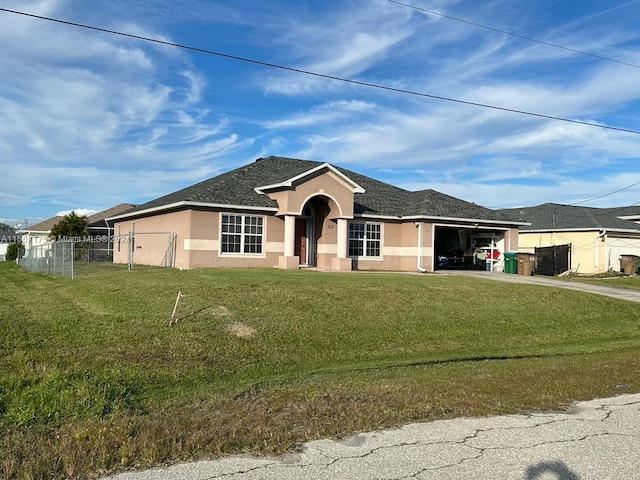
x: 597, y: 439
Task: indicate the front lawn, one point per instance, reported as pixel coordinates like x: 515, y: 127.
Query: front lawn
x: 615, y: 280
x: 93, y: 379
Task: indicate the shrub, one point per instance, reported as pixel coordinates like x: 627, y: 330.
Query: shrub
x: 14, y: 250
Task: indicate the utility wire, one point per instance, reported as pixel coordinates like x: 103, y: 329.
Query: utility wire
x: 606, y: 194
x: 320, y: 75
x: 486, y: 27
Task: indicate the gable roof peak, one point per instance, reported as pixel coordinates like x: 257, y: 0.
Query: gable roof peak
x: 288, y: 183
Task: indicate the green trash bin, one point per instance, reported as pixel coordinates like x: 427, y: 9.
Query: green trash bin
x: 510, y: 262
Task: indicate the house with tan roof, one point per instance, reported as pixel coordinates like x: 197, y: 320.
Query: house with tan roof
x: 39, y: 234
x: 291, y: 213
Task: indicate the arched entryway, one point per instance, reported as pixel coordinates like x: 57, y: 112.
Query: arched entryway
x: 309, y: 228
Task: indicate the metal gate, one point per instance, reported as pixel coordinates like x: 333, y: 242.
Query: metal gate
x: 553, y: 260
x: 155, y: 249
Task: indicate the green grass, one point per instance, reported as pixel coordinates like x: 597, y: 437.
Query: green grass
x: 617, y: 281
x: 93, y: 379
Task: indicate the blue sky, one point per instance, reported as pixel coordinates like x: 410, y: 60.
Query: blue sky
x: 89, y: 119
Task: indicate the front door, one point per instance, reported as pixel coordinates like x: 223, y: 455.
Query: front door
x: 301, y: 241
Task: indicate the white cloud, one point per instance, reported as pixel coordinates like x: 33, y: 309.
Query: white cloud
x: 90, y: 114
x: 81, y: 212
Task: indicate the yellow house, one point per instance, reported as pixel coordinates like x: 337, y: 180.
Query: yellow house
x: 593, y: 239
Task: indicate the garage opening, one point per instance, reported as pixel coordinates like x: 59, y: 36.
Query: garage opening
x: 468, y: 248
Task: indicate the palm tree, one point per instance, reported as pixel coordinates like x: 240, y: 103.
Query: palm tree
x: 71, y: 225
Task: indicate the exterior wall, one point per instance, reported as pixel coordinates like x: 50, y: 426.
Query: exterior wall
x: 154, y: 237
x: 618, y: 245
x: 588, y: 251
x: 326, y: 231
x: 326, y: 184
x: 196, y: 235
x: 36, y: 239
x: 511, y: 240
x: 391, y: 249
x: 400, y: 248
x: 196, y: 240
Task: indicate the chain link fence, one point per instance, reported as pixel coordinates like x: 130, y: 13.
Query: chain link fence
x: 76, y: 257
x: 55, y: 258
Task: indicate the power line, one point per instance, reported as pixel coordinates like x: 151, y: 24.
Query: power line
x: 606, y: 194
x: 320, y: 75
x: 523, y: 37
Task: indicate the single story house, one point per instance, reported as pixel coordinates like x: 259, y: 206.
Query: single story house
x: 582, y: 239
x: 291, y: 213
x: 7, y: 236
x: 34, y: 236
x: 99, y: 231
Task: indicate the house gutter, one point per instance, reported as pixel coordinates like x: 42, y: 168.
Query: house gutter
x: 601, y: 235
x: 186, y: 204
x: 419, y: 256
x: 463, y: 222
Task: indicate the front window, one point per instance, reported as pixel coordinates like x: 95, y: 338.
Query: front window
x: 242, y: 234
x: 365, y: 239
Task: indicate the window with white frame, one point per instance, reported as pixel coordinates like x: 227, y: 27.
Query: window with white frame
x: 365, y: 239
x: 242, y: 234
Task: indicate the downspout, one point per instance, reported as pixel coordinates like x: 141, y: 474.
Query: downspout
x: 601, y: 235
x: 419, y: 256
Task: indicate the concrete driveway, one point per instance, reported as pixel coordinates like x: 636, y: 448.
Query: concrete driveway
x: 598, y: 439
x: 621, y: 293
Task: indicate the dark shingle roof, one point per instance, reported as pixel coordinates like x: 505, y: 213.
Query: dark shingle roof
x: 237, y: 188
x: 554, y: 216
x: 632, y: 211
x: 441, y: 205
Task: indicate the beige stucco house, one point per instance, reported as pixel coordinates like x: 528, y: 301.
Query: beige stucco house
x: 595, y: 238
x: 290, y: 213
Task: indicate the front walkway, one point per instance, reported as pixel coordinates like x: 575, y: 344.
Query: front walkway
x: 621, y: 293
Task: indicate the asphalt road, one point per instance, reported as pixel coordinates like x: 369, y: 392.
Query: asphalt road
x: 598, y: 439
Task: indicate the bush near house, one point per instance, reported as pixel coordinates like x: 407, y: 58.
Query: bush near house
x: 15, y: 250
x: 93, y: 379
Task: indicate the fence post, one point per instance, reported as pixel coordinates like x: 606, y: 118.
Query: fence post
x: 132, y: 242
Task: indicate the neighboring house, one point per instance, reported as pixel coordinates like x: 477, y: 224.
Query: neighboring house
x: 37, y: 235
x: 584, y: 239
x: 288, y: 213
x: 100, y: 232
x: 7, y: 236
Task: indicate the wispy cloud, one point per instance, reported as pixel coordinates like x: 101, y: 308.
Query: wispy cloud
x: 90, y: 119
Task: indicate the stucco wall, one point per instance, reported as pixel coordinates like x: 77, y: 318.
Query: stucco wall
x: 156, y: 239
x: 619, y: 244
x: 400, y: 248
x: 588, y: 252
x: 197, y: 241
x: 326, y: 184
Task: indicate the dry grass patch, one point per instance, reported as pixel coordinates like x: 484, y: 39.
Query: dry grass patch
x: 241, y: 330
